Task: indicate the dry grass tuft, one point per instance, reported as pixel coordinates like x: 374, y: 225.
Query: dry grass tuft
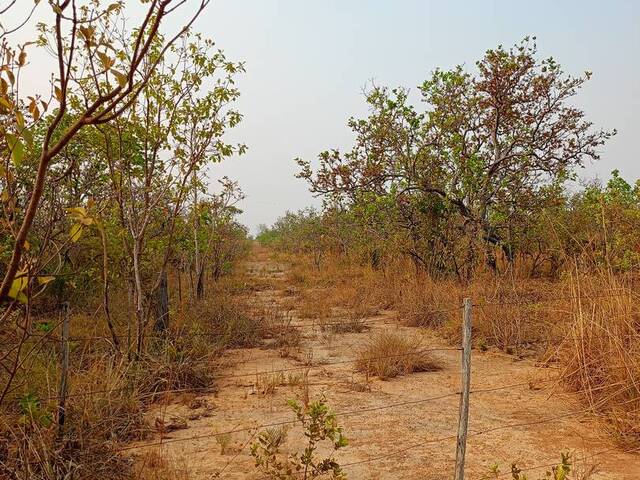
x: 422, y: 302
x: 279, y: 330
x: 390, y: 354
x: 159, y: 465
x: 352, y: 323
x: 227, y: 320
x: 33, y: 452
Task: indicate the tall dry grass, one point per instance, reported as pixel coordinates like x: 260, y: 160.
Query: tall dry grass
x: 599, y: 352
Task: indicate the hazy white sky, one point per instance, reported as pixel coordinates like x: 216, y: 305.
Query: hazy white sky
x: 307, y: 62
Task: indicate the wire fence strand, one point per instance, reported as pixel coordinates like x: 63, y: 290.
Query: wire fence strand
x: 319, y: 324
x: 253, y: 374
x: 360, y: 411
x: 284, y: 326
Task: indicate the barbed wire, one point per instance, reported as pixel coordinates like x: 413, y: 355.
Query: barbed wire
x: 453, y: 437
x: 255, y: 428
x: 233, y: 459
x: 346, y: 413
x: 384, y: 407
x: 475, y: 434
x: 320, y: 324
x: 259, y: 373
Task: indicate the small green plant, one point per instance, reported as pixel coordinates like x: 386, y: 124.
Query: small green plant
x: 274, y: 437
x: 33, y: 413
x: 558, y: 472
x: 319, y: 424
x: 224, y: 441
x: 45, y: 327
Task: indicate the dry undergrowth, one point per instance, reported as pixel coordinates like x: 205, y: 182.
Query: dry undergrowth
x: 109, y: 394
x: 159, y: 465
x: 579, y: 322
x: 390, y: 354
x: 349, y: 323
x: 268, y: 383
x: 600, y: 354
x: 278, y: 330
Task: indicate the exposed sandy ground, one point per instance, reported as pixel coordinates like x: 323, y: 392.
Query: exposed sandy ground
x: 415, y: 428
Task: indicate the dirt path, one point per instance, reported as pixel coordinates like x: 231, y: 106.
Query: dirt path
x: 419, y: 431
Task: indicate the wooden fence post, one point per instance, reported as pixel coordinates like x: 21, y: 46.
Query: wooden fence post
x: 62, y: 393
x: 463, y: 422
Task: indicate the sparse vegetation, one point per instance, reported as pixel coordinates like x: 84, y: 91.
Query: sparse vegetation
x: 562, y: 471
x: 156, y: 465
x: 224, y: 441
x: 427, y: 220
x: 123, y: 288
x: 319, y: 425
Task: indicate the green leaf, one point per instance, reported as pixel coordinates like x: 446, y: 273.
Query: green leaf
x: 77, y: 212
x: 5, y: 102
x: 44, y: 326
x: 27, y: 136
x: 28, y: 403
x: 16, y: 148
x: 80, y: 215
x: 20, y: 119
x: 105, y: 60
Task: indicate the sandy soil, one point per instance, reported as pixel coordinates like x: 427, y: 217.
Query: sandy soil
x: 411, y: 441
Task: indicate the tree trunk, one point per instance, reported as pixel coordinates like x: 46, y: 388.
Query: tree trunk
x: 105, y: 290
x: 196, y: 226
x: 200, y: 283
x: 472, y: 253
x: 130, y: 297
x: 162, y: 304
x: 139, y: 295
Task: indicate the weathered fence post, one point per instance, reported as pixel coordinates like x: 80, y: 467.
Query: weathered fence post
x: 64, y: 367
x: 463, y: 421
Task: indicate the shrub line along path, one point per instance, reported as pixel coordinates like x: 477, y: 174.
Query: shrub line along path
x: 398, y: 428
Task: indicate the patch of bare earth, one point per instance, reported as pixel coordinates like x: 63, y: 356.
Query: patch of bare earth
x: 414, y: 438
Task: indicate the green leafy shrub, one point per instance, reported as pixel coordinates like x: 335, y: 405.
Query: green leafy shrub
x: 319, y: 424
